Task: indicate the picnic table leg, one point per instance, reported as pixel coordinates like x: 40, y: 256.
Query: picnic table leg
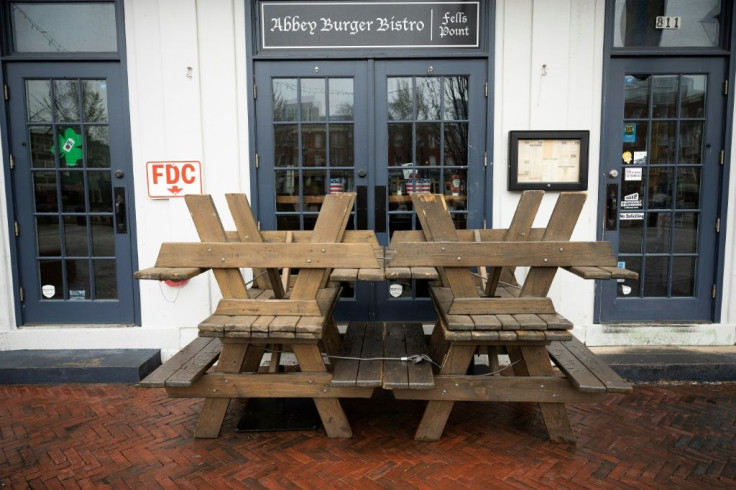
x: 537, y: 363
x: 235, y: 357
x: 330, y: 411
x: 437, y: 412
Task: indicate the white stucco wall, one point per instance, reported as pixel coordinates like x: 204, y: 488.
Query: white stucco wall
x: 189, y: 96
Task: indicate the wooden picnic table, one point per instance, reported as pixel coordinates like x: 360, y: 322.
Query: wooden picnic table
x: 484, y: 311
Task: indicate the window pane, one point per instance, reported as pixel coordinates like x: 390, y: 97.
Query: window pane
x: 636, y: 23
x: 341, y: 145
x: 287, y: 192
x: 686, y: 233
x: 284, y: 99
x: 103, y: 236
x: 399, y: 144
x: 313, y: 99
x: 636, y: 96
x: 658, y: 232
x: 286, y: 145
x: 106, y: 284
x: 692, y: 96
x: 75, y: 236
x: 341, y: 99
x: 51, y: 279
x: 72, y: 192
x: 660, y: 188
x: 64, y: 27
x: 691, y: 142
x: 42, y: 144
x: 98, y: 146
x: 664, y: 96
x: 688, y: 187
x: 683, y: 276
x: 38, y: 100
x: 656, y: 270
x: 77, y: 277
x: 630, y: 236
x: 49, y: 242
x: 456, y: 144
x: 663, y: 146
x: 630, y: 287
x: 94, y: 99
x: 66, y: 97
x: 314, y: 151
x: 400, y: 99
x: 456, y: 97
x: 429, y: 98
x: 428, y: 144
x: 44, y: 190
x: 100, y: 192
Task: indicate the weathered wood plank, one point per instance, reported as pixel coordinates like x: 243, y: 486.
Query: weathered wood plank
x: 612, y: 381
x: 395, y: 374
x: 370, y: 373
x: 530, y: 322
x: 618, y: 273
x: 196, y: 366
x: 420, y: 374
x: 158, y: 377
x: 271, y: 255
x: 298, y: 307
x: 589, y: 272
x: 371, y: 275
x: 577, y: 373
x: 169, y: 273
x: 424, y: 273
x: 393, y: 273
x: 344, y: 275
x: 346, y: 370
x: 503, y: 306
x: 556, y: 321
x: 540, y: 254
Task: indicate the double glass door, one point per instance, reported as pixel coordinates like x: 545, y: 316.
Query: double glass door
x: 382, y: 129
x: 662, y: 160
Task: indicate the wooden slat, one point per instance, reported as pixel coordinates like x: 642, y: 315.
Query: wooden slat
x: 196, y: 366
x: 424, y: 273
x: 530, y: 322
x: 612, y: 381
x: 302, y: 255
x: 344, y: 275
x: 486, y: 322
x: 213, y: 324
x: 303, y: 307
x: 346, y: 370
x: 420, y: 374
x: 589, y: 272
x: 158, y: 377
x: 395, y: 374
x: 169, y: 273
x: 438, y: 226
x: 281, y: 324
x: 496, y: 306
x: 535, y: 254
x: 618, y: 273
x: 578, y: 374
x: 371, y: 275
x: 508, y: 322
x: 248, y: 232
x: 556, y: 321
x: 443, y: 300
x: 393, y: 273
x: 370, y: 373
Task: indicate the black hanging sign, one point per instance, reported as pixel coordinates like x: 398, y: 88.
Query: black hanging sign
x: 351, y: 25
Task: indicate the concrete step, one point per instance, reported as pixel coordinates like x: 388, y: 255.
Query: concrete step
x: 77, y: 366
x: 671, y: 363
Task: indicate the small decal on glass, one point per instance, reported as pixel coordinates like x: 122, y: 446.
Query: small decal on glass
x: 630, y: 133
x: 77, y: 294
x: 395, y: 290
x: 626, y: 290
x: 632, y: 173
x: 626, y: 157
x: 632, y: 201
x: 631, y: 216
x: 48, y: 290
x: 70, y: 147
x: 640, y: 158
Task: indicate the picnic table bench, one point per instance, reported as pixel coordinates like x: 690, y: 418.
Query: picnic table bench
x: 286, y: 311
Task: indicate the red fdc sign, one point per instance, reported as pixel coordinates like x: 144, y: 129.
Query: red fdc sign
x: 173, y: 179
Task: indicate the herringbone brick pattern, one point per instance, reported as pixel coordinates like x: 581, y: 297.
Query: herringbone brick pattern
x: 97, y: 436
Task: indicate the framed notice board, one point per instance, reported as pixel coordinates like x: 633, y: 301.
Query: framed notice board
x: 548, y: 160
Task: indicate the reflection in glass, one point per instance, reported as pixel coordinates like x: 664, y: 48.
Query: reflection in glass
x: 42, y: 139
x: 635, y: 24
x: 287, y: 191
x: 400, y: 99
x: 287, y: 222
x: 428, y: 143
x: 660, y: 187
x: 50, y: 272
x: 341, y: 99
x: 456, y: 97
x: 664, y: 95
x: 341, y: 145
x: 630, y: 236
x: 658, y: 232
x: 309, y: 221
x: 663, y: 143
x: 98, y: 146
x: 630, y: 287
x: 341, y: 181
x: 313, y: 101
x: 683, y: 276
x: 692, y: 96
x: 103, y: 236
x: 106, y: 283
x: 656, y: 270
x: 460, y: 220
x: 47, y: 27
x: 100, y: 192
x: 691, y: 142
x: 429, y: 98
x: 94, y: 100
x: 456, y: 144
x: 66, y: 96
x: 636, y: 96
x: 286, y: 145
x: 314, y: 183
x: 686, y: 233
x: 285, y: 102
x: 75, y: 236
x: 400, y: 222
x: 688, y: 187
x: 314, y: 145
x: 456, y: 189
x: 399, y: 144
x: 44, y: 191
x: 47, y: 231
x: 77, y: 278
x: 72, y: 192
x: 38, y: 100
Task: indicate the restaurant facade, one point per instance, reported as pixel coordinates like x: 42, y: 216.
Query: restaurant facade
x: 113, y: 111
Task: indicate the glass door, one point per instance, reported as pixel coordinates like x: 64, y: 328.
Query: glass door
x: 72, y: 185
x: 383, y: 130
x: 663, y: 142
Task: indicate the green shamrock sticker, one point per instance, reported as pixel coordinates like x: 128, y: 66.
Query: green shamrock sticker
x: 70, y: 147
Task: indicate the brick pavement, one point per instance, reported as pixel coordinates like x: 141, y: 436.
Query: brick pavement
x: 97, y: 436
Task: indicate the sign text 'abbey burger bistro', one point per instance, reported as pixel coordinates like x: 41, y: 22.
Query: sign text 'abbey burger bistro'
x: 331, y: 25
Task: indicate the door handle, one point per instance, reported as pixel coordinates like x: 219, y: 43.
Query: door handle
x: 611, y: 207
x: 121, y: 221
